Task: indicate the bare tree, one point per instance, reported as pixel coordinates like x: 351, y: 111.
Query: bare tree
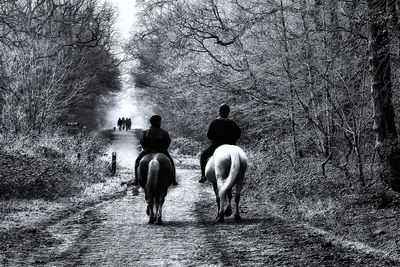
x: 54, y: 53
x: 38, y: 90
x: 234, y: 49
x: 386, y: 139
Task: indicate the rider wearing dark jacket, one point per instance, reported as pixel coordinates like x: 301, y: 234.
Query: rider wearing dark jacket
x: 221, y: 131
x: 154, y: 140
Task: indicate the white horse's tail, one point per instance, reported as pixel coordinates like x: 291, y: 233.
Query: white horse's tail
x: 233, y: 172
x: 152, y: 176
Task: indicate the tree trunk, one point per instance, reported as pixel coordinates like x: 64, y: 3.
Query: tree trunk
x: 316, y: 14
x: 392, y: 13
x: 291, y: 87
x: 386, y: 143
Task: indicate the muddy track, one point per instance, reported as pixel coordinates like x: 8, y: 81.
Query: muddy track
x: 21, y: 239
x: 115, y: 232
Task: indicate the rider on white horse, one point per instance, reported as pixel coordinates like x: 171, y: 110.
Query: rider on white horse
x: 154, y: 140
x: 221, y: 131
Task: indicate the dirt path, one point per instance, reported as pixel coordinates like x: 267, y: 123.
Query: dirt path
x: 115, y: 233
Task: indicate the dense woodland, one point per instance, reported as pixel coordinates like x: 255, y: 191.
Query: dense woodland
x: 311, y: 82
x: 56, y: 62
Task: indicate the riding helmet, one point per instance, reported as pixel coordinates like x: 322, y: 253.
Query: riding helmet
x: 224, y: 110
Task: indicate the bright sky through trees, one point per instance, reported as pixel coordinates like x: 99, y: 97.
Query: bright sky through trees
x: 126, y: 16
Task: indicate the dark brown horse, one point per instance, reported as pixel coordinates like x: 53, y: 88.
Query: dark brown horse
x: 225, y: 169
x: 155, y: 174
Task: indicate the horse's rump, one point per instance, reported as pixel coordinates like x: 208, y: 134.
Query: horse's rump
x: 165, y: 171
x: 226, y: 161
x: 225, y: 169
x: 155, y: 173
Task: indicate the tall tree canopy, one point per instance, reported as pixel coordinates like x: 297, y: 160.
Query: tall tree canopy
x: 56, y: 61
x: 297, y: 72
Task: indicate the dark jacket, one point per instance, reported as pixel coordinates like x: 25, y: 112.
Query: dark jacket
x: 155, y: 139
x: 223, y: 131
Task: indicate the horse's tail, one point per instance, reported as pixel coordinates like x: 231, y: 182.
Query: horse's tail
x: 233, y: 172
x: 152, y: 176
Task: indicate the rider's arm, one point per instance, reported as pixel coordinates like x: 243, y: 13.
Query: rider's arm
x: 144, y: 140
x: 167, y: 140
x: 211, y: 131
x: 238, y: 132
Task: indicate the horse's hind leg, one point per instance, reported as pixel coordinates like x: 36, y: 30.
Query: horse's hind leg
x: 239, y: 186
x: 217, y: 198
x: 221, y: 214
x: 228, y: 210
x: 151, y: 212
x: 159, y: 205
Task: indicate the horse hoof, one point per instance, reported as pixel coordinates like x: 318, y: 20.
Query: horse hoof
x: 220, y: 219
x: 151, y: 220
x: 159, y: 221
x: 237, y: 217
x: 228, y: 211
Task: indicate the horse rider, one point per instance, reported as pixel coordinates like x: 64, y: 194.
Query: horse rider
x: 154, y: 140
x: 221, y: 131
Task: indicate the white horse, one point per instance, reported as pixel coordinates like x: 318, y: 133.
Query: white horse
x: 224, y: 169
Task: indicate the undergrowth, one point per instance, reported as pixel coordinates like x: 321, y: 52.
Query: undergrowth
x: 186, y: 146
x: 334, y: 202
x: 48, y: 165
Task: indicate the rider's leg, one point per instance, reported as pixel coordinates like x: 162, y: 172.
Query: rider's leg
x: 139, y: 157
x: 174, y: 182
x: 203, y: 161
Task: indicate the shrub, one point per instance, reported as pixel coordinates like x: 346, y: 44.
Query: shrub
x: 48, y: 166
x: 186, y: 146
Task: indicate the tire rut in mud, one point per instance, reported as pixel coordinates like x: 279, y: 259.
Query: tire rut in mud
x: 272, y: 241
x: 21, y: 244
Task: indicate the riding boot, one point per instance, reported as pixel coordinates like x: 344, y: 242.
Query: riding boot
x: 137, y: 161
x: 135, y: 179
x: 202, y: 179
x: 202, y: 167
x: 174, y: 182
x: 204, y: 157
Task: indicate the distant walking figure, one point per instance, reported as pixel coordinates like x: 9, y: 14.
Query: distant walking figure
x: 123, y: 123
x: 154, y: 140
x: 119, y: 123
x: 128, y: 124
x: 221, y: 131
